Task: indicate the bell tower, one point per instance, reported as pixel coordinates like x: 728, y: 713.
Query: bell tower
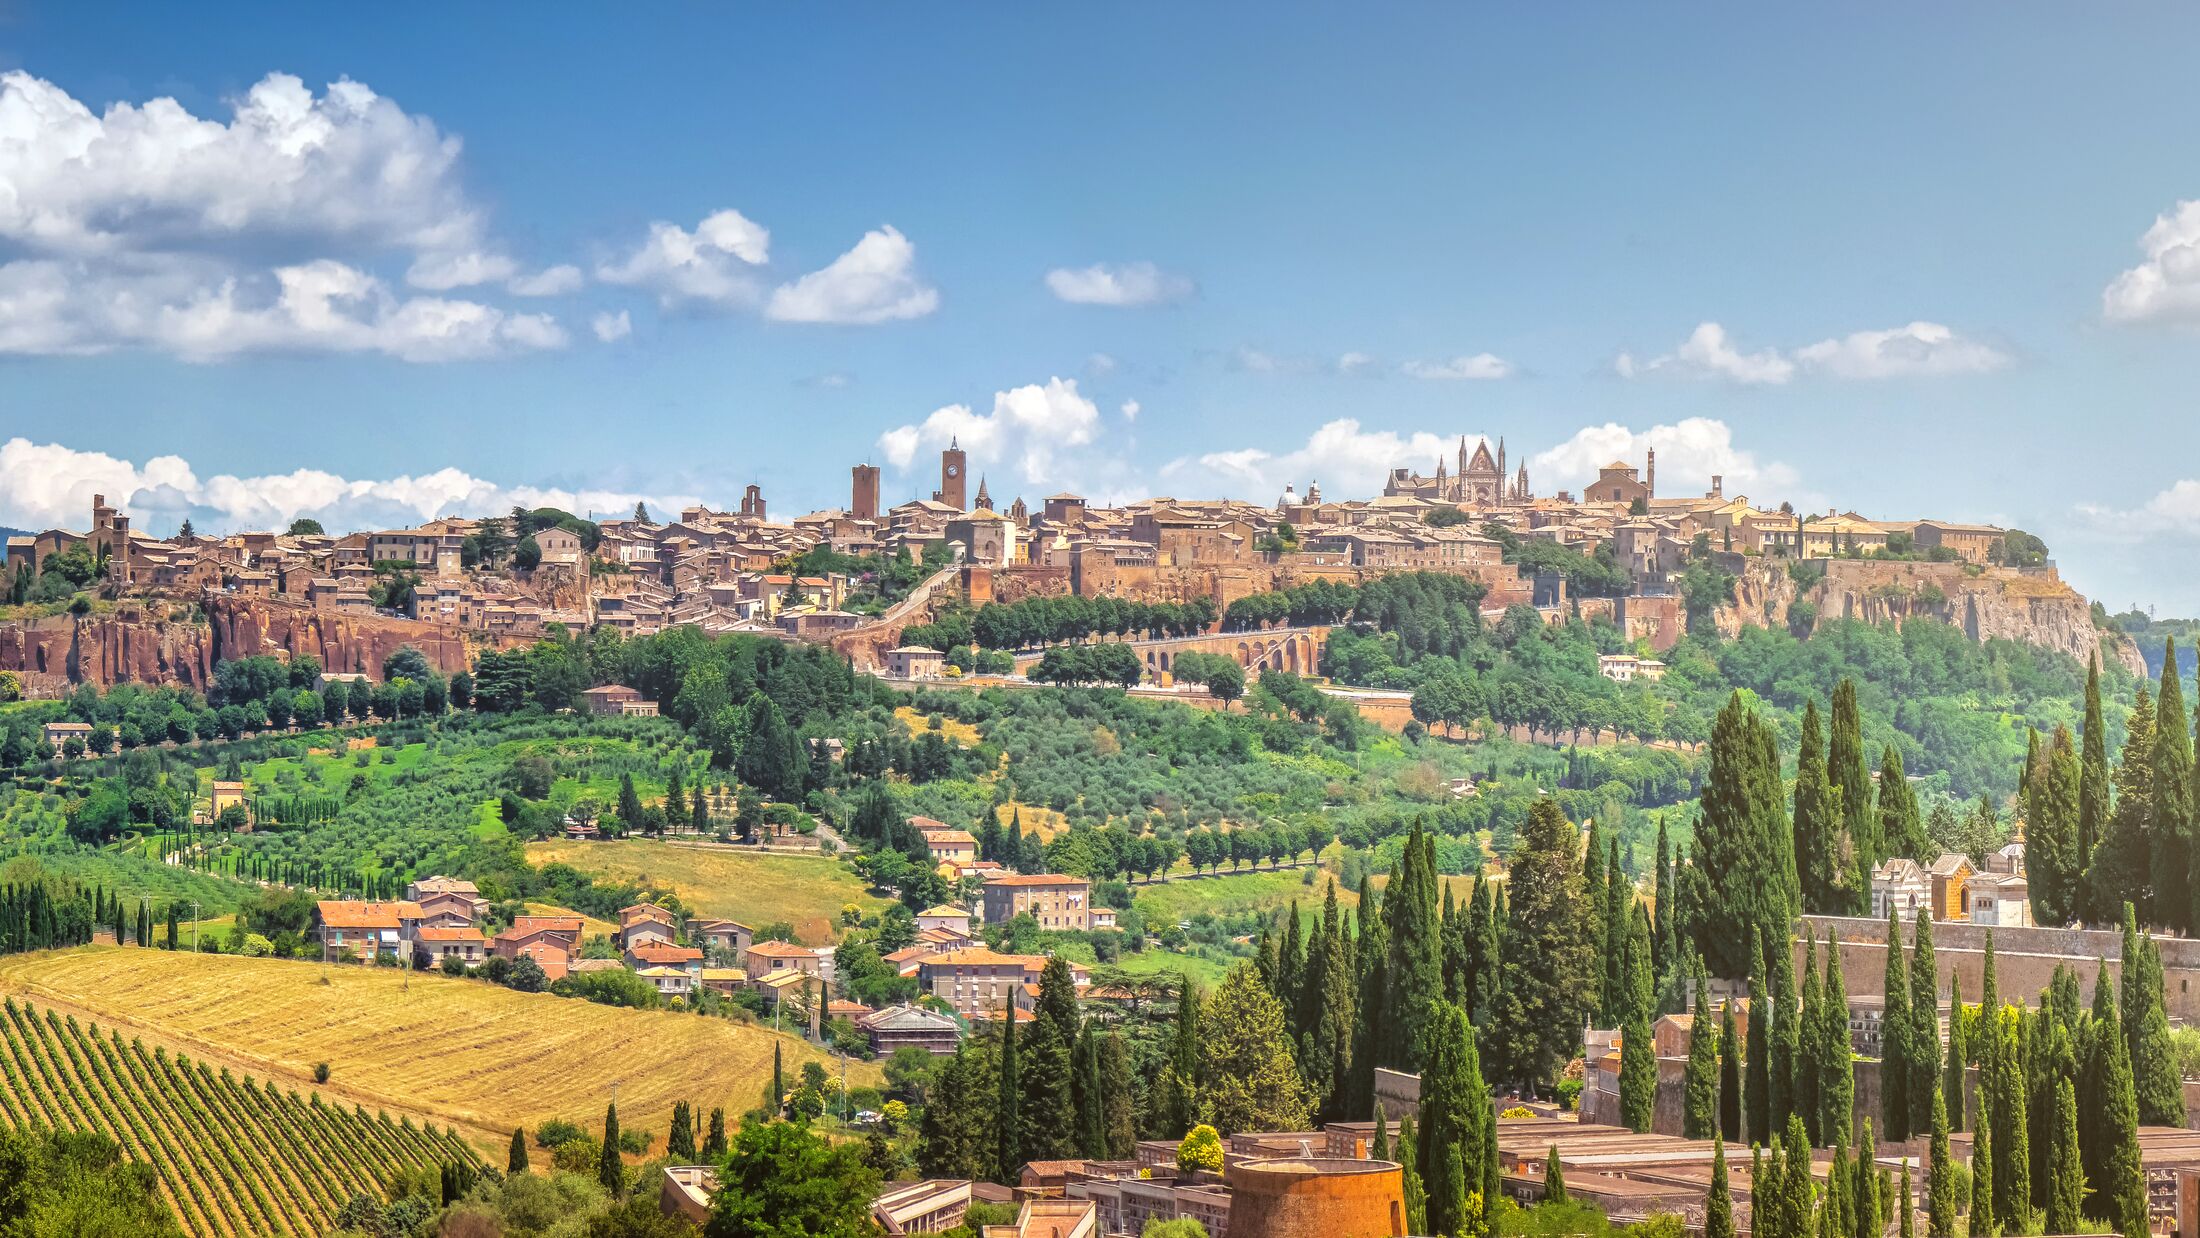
x: 954, y: 477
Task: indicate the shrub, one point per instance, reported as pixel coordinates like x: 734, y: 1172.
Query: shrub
x: 1200, y: 1149
x: 558, y: 1131
x: 320, y: 1072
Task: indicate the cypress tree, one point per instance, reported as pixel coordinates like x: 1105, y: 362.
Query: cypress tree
x: 1457, y: 980
x: 2051, y: 831
x: 1940, y: 1178
x: 779, y: 1081
x: 2146, y: 1031
x: 2003, y: 1076
x: 1482, y: 962
x: 1871, y: 1216
x: 1618, y: 924
x: 1638, y: 1055
x: 680, y: 1142
x: 1951, y: 1076
x: 1807, y: 1067
x: 1372, y: 950
x: 714, y: 1143
x: 1757, y: 1058
x: 1416, y: 1198
x: 1730, y: 1075
x: 1846, y: 771
x: 1548, y: 964
x: 1923, y: 1052
x: 1901, y: 826
x: 1592, y: 880
x: 1735, y: 850
x: 1665, y: 955
x: 516, y: 1162
x: 2066, y: 1176
x: 2093, y: 801
x: 1179, y: 1092
x: 1718, y: 1204
x: 1818, y: 865
x: 1379, y: 1147
x: 1416, y: 962
x: 1554, y: 1178
x: 2171, y: 832
x: 1008, y: 1130
x: 1119, y: 1125
x: 1982, y: 1183
x: 2123, y: 860
x: 1837, y: 1062
x: 1894, y: 1032
x: 1454, y: 1102
x: 1447, y: 1193
x: 1700, y: 1081
x: 610, y: 1169
x: 1325, y: 1015
x: 1291, y: 959
x: 1909, y: 1208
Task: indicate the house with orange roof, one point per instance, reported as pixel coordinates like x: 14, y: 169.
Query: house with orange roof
x: 353, y: 929
x: 976, y: 982
x: 764, y: 959
x: 644, y: 920
x: 728, y: 936
x: 553, y: 942
x: 433, y: 943
x: 648, y: 953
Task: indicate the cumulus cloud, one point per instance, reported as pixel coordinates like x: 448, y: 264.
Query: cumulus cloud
x: 1130, y: 410
x: 609, y: 327
x: 197, y: 313
x: 44, y: 485
x: 1029, y: 427
x: 554, y: 281
x: 1355, y: 363
x: 1708, y: 353
x: 714, y: 264
x: 2166, y: 287
x: 874, y: 282
x: 1690, y: 452
x: 138, y: 227
x: 2174, y: 512
x: 1342, y: 455
x: 1919, y: 349
x: 1479, y: 366
x: 1127, y: 285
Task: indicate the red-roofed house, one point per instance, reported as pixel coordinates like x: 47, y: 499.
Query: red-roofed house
x: 641, y: 921
x: 648, y: 953
x: 1056, y: 901
x: 363, y: 930
x: 551, y: 941
x: 765, y: 958
x: 433, y: 943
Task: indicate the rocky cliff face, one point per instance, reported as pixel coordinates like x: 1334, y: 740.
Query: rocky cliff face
x: 2035, y: 608
x: 143, y: 644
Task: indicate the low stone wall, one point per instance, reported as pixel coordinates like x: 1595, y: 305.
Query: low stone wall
x: 2025, y: 959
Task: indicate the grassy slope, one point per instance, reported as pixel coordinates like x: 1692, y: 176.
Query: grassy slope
x: 804, y: 891
x: 1184, y: 897
x: 461, y: 1051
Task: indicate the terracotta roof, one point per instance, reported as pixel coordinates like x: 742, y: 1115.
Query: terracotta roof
x: 429, y: 932
x: 543, y: 924
x: 644, y: 911
x: 980, y: 956
x: 927, y: 823
x: 665, y: 954
x: 349, y: 914
x: 782, y: 950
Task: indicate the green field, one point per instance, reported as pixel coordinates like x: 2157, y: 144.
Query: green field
x: 1229, y: 893
x: 754, y: 889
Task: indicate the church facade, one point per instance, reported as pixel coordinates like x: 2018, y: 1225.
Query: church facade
x: 1479, y: 481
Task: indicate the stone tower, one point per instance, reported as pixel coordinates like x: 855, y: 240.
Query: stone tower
x: 863, y: 499
x: 954, y: 477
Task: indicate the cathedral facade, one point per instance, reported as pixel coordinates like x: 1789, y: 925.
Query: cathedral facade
x: 1479, y: 481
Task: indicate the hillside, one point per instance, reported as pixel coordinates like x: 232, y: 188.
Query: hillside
x: 483, y: 1056
x: 756, y: 889
x: 234, y: 1156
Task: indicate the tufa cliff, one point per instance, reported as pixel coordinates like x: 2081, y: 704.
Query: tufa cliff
x: 138, y: 642
x: 2031, y: 607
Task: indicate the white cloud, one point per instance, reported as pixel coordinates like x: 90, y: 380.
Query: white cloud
x: 2174, y: 512
x: 1708, y: 353
x: 1128, y: 285
x: 609, y: 327
x: 1690, y: 452
x: 1921, y: 348
x: 194, y: 311
x: 1345, y: 458
x: 1130, y: 410
x: 1355, y: 363
x: 2166, y: 287
x: 554, y: 281
x: 443, y: 272
x: 714, y: 264
x: 1100, y: 365
x: 45, y: 485
x: 874, y: 282
x: 1029, y: 427
x: 345, y: 164
x: 1479, y: 366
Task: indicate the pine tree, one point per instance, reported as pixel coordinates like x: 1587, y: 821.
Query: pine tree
x: 516, y: 1162
x: 714, y: 1143
x: 1940, y: 1178
x: 2146, y: 1031
x: 1718, y: 1204
x: 1730, y: 1075
x: 2093, y: 801
x: 1554, y: 1178
x: 610, y: 1169
x: 1818, y: 863
x: 1700, y: 1081
x: 2066, y: 1185
x: 1894, y: 1032
x: 1757, y: 1055
x: 2170, y: 830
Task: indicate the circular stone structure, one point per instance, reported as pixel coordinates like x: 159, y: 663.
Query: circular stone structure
x: 1316, y: 1197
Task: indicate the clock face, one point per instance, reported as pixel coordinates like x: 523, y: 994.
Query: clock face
x: 953, y: 471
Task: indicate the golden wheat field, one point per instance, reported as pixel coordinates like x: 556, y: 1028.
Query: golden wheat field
x: 462, y: 1051
x: 755, y: 888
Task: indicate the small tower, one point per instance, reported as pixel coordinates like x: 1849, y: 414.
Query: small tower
x: 985, y: 501
x: 954, y: 479
x: 1650, y: 474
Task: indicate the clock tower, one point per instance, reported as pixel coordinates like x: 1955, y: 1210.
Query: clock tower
x: 954, y: 477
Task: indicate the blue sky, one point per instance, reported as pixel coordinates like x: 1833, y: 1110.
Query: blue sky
x: 1420, y: 220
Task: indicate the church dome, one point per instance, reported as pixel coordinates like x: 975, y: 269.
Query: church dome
x: 1289, y: 498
